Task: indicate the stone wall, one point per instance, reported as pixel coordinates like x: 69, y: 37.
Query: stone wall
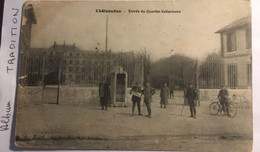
x: 29, y: 95
x: 241, y: 97
x: 83, y: 96
x: 89, y: 95
x: 68, y: 95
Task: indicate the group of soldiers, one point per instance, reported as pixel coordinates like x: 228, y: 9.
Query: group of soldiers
x: 148, y: 91
x: 165, y: 93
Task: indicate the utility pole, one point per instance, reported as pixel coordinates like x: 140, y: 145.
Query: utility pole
x: 106, y: 32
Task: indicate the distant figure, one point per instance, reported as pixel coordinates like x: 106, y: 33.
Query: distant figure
x: 136, y: 93
x: 101, y: 94
x: 164, y: 94
x: 148, y: 92
x: 172, y: 91
x: 191, y: 95
x: 223, y: 98
x: 104, y: 94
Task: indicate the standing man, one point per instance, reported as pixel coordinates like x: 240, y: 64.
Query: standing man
x: 164, y: 94
x: 172, y: 91
x: 148, y: 92
x: 102, y: 94
x: 192, y: 96
x: 106, y: 95
x: 223, y: 98
x: 136, y: 93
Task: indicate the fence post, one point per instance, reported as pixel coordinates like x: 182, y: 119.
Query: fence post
x: 59, y: 77
x: 43, y: 71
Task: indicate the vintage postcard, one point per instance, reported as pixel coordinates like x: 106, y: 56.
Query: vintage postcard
x: 132, y: 75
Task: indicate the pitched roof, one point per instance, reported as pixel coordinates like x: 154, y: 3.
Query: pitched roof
x: 236, y: 24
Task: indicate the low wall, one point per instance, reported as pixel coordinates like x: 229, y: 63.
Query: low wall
x: 89, y: 95
x: 29, y: 95
x: 241, y: 97
x: 83, y: 96
x: 67, y: 95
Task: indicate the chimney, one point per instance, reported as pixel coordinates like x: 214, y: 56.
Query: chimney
x: 74, y: 44
x: 54, y: 43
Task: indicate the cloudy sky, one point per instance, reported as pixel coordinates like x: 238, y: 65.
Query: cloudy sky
x: 191, y: 32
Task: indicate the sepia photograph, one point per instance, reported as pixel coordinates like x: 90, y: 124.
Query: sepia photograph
x: 135, y: 75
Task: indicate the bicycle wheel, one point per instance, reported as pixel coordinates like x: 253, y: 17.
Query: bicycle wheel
x: 232, y: 110
x: 214, y: 108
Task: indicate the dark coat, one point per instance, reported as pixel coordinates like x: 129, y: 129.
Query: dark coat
x: 192, y: 94
x: 148, y: 92
x: 164, y: 94
x: 223, y: 95
x: 104, y: 91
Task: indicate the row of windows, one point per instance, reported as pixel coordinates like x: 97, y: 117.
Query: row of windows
x: 96, y: 62
x: 89, y: 69
x: 84, y: 77
x: 73, y: 54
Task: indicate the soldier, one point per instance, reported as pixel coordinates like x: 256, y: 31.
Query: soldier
x: 101, y: 94
x: 136, y: 97
x: 223, y: 98
x: 106, y: 95
x: 172, y: 91
x: 148, y: 92
x: 164, y: 94
x: 191, y: 95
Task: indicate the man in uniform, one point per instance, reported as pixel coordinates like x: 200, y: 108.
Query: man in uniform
x: 102, y: 94
x: 172, y: 91
x: 223, y: 98
x: 148, y: 92
x: 191, y: 95
x: 164, y: 94
x: 136, y: 93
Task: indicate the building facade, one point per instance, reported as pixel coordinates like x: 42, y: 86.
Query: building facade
x: 236, y: 52
x: 67, y: 64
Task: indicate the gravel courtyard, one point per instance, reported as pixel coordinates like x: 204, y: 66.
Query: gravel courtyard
x: 89, y: 127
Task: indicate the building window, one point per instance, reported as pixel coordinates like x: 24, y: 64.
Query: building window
x: 232, y: 76
x: 248, y: 38
x: 71, y: 61
x: 70, y: 76
x: 83, y: 69
x: 231, y: 42
x: 249, y: 74
x: 70, y: 69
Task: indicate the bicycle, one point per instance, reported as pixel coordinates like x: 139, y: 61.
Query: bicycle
x: 215, y: 108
